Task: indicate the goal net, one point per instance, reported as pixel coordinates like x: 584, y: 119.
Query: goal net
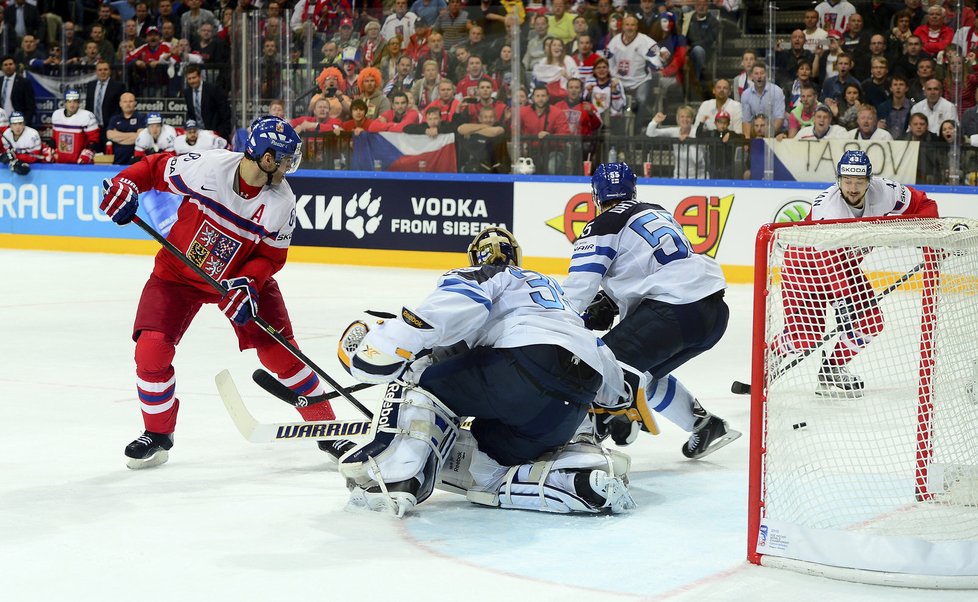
x: 864, y: 434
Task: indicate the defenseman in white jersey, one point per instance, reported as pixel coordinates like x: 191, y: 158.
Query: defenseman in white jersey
x: 527, y: 375
x: 156, y: 137
x: 196, y: 141
x: 812, y: 279
x: 671, y: 305
x: 22, y: 146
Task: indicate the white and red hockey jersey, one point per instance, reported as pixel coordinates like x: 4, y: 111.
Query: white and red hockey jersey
x: 28, y: 147
x: 883, y: 197
x: 147, y: 145
x: 219, y: 230
x: 73, y: 134
x: 206, y: 140
x: 628, y: 61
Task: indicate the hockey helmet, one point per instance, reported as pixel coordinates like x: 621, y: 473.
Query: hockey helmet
x: 154, y: 119
x: 190, y: 125
x: 854, y: 163
x: 16, y: 117
x: 72, y: 94
x: 269, y: 133
x: 612, y: 183
x: 495, y: 246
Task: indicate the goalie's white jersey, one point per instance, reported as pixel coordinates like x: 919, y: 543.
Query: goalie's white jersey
x: 637, y: 251
x: 502, y: 307
x: 205, y: 141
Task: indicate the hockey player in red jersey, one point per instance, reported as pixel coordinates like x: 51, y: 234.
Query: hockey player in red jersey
x: 235, y: 222
x: 813, y: 279
x: 75, y: 131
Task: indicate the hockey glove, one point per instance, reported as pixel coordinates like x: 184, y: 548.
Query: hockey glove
x: 86, y: 157
x: 120, y: 200
x: 624, y: 423
x: 8, y: 157
x: 240, y: 304
x: 365, y: 361
x: 47, y: 154
x: 21, y: 168
x: 600, y: 313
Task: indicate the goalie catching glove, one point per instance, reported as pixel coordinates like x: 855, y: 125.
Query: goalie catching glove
x: 366, y: 360
x: 623, y: 424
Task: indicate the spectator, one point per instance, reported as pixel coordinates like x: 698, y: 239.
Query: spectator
x: 398, y: 117
x: 453, y: 24
x: 483, y: 145
x: 720, y: 103
x: 855, y: 40
x: 369, y: 84
x: 601, y: 24
x: 582, y: 117
x: 834, y: 86
x: 475, y: 73
x: 539, y: 120
x: 142, y: 19
x: 815, y: 36
x: 322, y: 120
x: 399, y: 24
x: 29, y: 56
x: 535, y: 51
x: 359, y: 122
x: 447, y: 103
x: 207, y: 103
x: 721, y: 156
x: 432, y: 126
x: 950, y: 14
x: 418, y: 43
x: 168, y: 34
x: 934, y: 34
x: 389, y: 57
x: 824, y: 65
x: 102, y: 99
x: 347, y: 39
x: 605, y: 92
x: 803, y: 114
x: 637, y: 60
x: 877, y: 15
x: 788, y: 59
x: 148, y: 63
x: 906, y: 64
x: 894, y: 113
x: 958, y: 87
x: 331, y: 55
x: 765, y: 98
x: 560, y: 23
x: 702, y: 35
x: 581, y: 28
x: 164, y: 15
x: 673, y: 63
x: 16, y: 93
x: 75, y: 131
x: 934, y: 107
x: 899, y: 34
x: 477, y: 44
x: 23, y: 19
x: 425, y: 89
x: 323, y: 15
x: 864, y: 60
x: 822, y: 127
x: 73, y: 45
x: 429, y: 9
x: 867, y: 125
x: 435, y: 51
x: 193, y: 17
x: 372, y: 44
x: 403, y: 77
x: 792, y: 91
x: 130, y: 33
x: 504, y: 73
x: 89, y: 57
x: 742, y: 80
x: 214, y: 52
x: 555, y: 69
x: 110, y: 22
x: 270, y: 70
x: 925, y: 72
x: 876, y: 88
x: 930, y: 162
x: 690, y: 158
x: 585, y: 56
x: 491, y: 17
x: 195, y: 140
x: 846, y: 109
x: 106, y: 50
x: 156, y: 137
x: 483, y: 98
x: 834, y: 15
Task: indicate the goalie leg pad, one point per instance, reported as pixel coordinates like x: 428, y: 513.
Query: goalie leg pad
x: 413, y: 435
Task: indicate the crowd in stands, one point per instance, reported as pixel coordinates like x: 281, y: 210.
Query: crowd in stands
x: 871, y: 70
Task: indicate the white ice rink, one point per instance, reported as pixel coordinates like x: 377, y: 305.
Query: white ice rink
x: 228, y: 520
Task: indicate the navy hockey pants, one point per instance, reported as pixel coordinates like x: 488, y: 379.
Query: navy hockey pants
x: 525, y: 401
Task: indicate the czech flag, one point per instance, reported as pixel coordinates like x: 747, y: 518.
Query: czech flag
x: 393, y: 151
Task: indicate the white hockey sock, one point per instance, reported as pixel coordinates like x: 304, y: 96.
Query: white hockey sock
x: 668, y: 397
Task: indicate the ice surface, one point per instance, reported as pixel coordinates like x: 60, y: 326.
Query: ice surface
x: 228, y: 520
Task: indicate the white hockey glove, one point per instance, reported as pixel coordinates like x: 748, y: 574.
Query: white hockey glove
x: 365, y: 361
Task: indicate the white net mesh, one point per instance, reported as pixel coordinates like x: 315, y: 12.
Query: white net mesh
x: 871, y: 349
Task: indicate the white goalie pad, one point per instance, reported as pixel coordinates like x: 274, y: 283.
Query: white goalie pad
x: 581, y: 477
x: 413, y: 434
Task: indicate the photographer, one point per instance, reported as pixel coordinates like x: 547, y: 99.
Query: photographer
x: 332, y: 86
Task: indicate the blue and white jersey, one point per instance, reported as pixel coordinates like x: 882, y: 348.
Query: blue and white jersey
x: 637, y: 251
x: 491, y: 306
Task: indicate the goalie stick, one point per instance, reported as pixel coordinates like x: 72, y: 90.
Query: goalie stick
x: 265, y: 380
x: 742, y: 388
x: 258, y: 320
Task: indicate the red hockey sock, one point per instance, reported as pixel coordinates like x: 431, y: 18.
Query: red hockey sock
x: 156, y: 382
x: 298, y: 377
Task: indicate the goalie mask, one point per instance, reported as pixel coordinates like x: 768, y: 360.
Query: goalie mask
x: 495, y: 246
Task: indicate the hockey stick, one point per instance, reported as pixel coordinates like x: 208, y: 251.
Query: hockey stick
x: 265, y: 380
x: 257, y: 432
x: 741, y: 388
x: 258, y: 320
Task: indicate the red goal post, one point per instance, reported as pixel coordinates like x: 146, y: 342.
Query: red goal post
x: 879, y: 485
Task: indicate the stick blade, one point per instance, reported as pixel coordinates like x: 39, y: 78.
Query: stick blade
x: 242, y: 418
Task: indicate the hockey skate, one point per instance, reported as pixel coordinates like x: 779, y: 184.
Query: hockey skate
x: 336, y: 448
x: 603, y: 491
x: 149, y: 450
x: 395, y: 499
x: 710, y: 433
x: 837, y: 381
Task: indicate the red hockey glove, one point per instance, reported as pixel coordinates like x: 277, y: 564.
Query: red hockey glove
x: 120, y: 200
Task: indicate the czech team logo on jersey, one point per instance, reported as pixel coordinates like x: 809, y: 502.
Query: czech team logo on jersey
x: 212, y: 250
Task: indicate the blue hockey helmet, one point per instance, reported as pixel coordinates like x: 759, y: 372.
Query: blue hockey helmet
x: 495, y: 246
x: 612, y: 183
x: 72, y: 94
x: 854, y: 163
x: 16, y: 117
x: 269, y: 133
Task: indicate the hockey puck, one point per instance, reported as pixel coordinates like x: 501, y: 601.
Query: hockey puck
x: 739, y: 388
x: 799, y: 425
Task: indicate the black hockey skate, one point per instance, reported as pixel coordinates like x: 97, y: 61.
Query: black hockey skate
x: 837, y: 381
x: 336, y: 448
x: 710, y: 433
x: 149, y: 450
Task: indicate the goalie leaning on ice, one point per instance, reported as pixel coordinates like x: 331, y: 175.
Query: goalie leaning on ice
x: 671, y: 304
x: 527, y: 379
